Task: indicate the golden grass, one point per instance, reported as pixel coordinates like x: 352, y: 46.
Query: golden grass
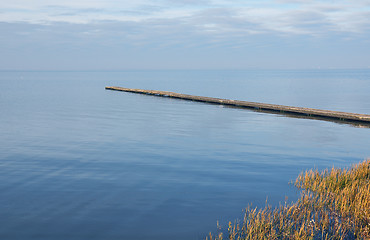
x: 333, y: 204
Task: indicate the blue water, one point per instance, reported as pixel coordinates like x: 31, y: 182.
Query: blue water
x: 80, y: 162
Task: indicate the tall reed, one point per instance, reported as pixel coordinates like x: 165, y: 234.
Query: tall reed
x: 334, y: 204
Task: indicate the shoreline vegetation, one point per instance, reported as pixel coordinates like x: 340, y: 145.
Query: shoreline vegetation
x: 334, y: 204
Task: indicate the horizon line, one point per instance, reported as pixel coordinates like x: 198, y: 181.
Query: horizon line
x: 178, y: 69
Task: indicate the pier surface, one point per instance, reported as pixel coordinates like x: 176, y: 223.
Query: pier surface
x: 303, y: 112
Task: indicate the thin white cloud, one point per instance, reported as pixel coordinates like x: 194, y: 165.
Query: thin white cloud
x: 208, y: 16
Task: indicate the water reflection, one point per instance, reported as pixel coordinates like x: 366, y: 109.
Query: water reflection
x: 79, y: 162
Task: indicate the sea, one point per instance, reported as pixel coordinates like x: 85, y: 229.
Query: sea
x: 81, y: 162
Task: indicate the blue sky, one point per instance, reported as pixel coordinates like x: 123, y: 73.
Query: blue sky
x: 184, y: 34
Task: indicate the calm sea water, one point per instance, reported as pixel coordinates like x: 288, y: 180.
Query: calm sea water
x: 80, y: 162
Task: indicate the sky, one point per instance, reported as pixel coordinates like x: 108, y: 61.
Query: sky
x: 184, y: 34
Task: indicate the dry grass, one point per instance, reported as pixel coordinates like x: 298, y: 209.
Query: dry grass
x: 334, y: 204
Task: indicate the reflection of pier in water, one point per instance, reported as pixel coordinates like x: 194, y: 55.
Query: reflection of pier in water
x: 355, y: 119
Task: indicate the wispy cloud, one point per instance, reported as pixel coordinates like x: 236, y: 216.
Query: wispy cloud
x: 84, y: 33
x: 217, y: 16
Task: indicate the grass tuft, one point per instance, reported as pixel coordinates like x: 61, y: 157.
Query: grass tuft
x: 333, y: 204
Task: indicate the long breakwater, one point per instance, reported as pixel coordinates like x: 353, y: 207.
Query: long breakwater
x: 286, y: 110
